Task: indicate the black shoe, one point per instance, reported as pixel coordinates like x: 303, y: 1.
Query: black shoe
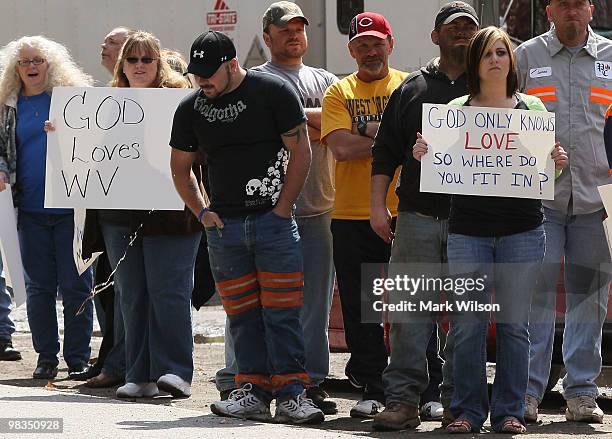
x: 224, y: 394
x: 8, y: 353
x: 318, y: 396
x: 80, y: 372
x: 45, y: 371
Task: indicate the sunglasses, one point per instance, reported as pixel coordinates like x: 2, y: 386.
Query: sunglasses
x: 27, y: 62
x: 144, y: 59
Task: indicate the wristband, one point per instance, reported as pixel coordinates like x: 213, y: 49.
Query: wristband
x: 201, y: 214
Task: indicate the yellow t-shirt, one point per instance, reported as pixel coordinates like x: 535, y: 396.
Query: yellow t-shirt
x: 345, y: 103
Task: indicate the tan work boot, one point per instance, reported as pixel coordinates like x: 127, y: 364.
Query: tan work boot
x: 531, y: 409
x: 397, y: 416
x: 583, y: 409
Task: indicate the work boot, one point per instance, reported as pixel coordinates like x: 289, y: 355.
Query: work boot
x: 583, y: 409
x: 531, y: 409
x: 7, y: 352
x: 319, y: 397
x: 397, y: 416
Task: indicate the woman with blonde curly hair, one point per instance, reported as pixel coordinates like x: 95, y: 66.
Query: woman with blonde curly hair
x: 30, y: 68
x: 154, y: 281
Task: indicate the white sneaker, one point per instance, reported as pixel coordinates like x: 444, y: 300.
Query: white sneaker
x: 137, y: 390
x: 298, y: 410
x: 431, y: 411
x: 583, y: 409
x: 243, y: 404
x: 174, y: 385
x: 366, y: 409
x: 531, y: 409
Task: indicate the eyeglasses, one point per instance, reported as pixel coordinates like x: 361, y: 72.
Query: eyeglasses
x: 144, y: 59
x: 27, y: 62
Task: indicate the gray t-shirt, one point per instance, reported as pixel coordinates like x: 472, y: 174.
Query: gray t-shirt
x: 317, y: 197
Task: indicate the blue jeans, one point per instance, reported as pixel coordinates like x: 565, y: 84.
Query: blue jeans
x: 114, y: 363
x: 7, y: 327
x: 257, y: 265
x: 510, y: 264
x: 154, y: 283
x: 46, y: 251
x: 316, y: 242
x: 581, y: 239
x: 414, y: 364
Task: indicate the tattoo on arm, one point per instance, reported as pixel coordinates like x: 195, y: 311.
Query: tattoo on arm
x: 297, y: 133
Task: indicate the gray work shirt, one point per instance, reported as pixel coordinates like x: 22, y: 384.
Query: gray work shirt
x: 317, y: 197
x: 578, y: 89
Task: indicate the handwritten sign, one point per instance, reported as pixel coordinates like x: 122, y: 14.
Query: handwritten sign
x: 110, y: 148
x: 488, y: 151
x: 605, y: 192
x: 9, y: 244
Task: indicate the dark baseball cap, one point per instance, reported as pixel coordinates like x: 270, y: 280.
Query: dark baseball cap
x: 281, y: 13
x: 208, y: 52
x: 454, y: 10
x: 369, y: 23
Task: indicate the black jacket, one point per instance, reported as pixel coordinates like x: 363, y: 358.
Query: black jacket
x: 397, y: 134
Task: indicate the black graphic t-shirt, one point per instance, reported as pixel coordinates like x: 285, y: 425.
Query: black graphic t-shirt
x: 240, y: 133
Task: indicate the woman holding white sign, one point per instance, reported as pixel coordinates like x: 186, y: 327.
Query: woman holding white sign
x: 31, y: 67
x: 501, y: 241
x: 154, y: 277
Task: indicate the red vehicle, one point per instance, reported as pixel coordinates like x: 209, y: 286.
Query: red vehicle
x: 338, y: 344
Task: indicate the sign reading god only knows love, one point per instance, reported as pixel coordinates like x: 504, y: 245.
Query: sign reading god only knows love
x: 110, y: 148
x: 488, y: 151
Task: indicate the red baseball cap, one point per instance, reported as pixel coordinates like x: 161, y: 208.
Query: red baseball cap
x: 369, y: 23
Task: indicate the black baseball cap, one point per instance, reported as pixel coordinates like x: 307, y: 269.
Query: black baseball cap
x: 454, y: 10
x: 208, y: 52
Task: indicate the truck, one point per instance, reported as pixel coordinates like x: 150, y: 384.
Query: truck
x: 82, y: 24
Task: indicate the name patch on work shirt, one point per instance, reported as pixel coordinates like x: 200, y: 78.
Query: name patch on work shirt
x: 540, y: 72
x: 603, y: 69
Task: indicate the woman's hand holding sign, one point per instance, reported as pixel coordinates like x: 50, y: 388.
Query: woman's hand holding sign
x: 420, y: 148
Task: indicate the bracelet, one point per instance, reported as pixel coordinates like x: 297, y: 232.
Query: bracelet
x: 201, y: 214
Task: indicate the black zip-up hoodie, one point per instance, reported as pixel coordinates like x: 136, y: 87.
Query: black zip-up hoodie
x: 397, y: 134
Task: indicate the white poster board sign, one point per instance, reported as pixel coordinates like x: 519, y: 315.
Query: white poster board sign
x: 488, y: 151
x: 606, y: 197
x: 77, y: 243
x: 9, y: 243
x: 110, y: 148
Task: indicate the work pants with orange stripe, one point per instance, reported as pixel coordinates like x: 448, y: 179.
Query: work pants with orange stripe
x: 257, y: 265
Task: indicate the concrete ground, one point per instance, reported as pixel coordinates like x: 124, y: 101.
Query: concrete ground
x: 97, y: 413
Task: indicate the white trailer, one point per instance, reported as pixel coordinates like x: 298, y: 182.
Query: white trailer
x: 82, y: 24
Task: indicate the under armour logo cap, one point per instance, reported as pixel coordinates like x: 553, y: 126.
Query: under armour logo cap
x: 208, y: 52
x: 369, y: 23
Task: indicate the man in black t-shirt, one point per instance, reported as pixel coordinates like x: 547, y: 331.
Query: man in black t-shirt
x: 246, y: 123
